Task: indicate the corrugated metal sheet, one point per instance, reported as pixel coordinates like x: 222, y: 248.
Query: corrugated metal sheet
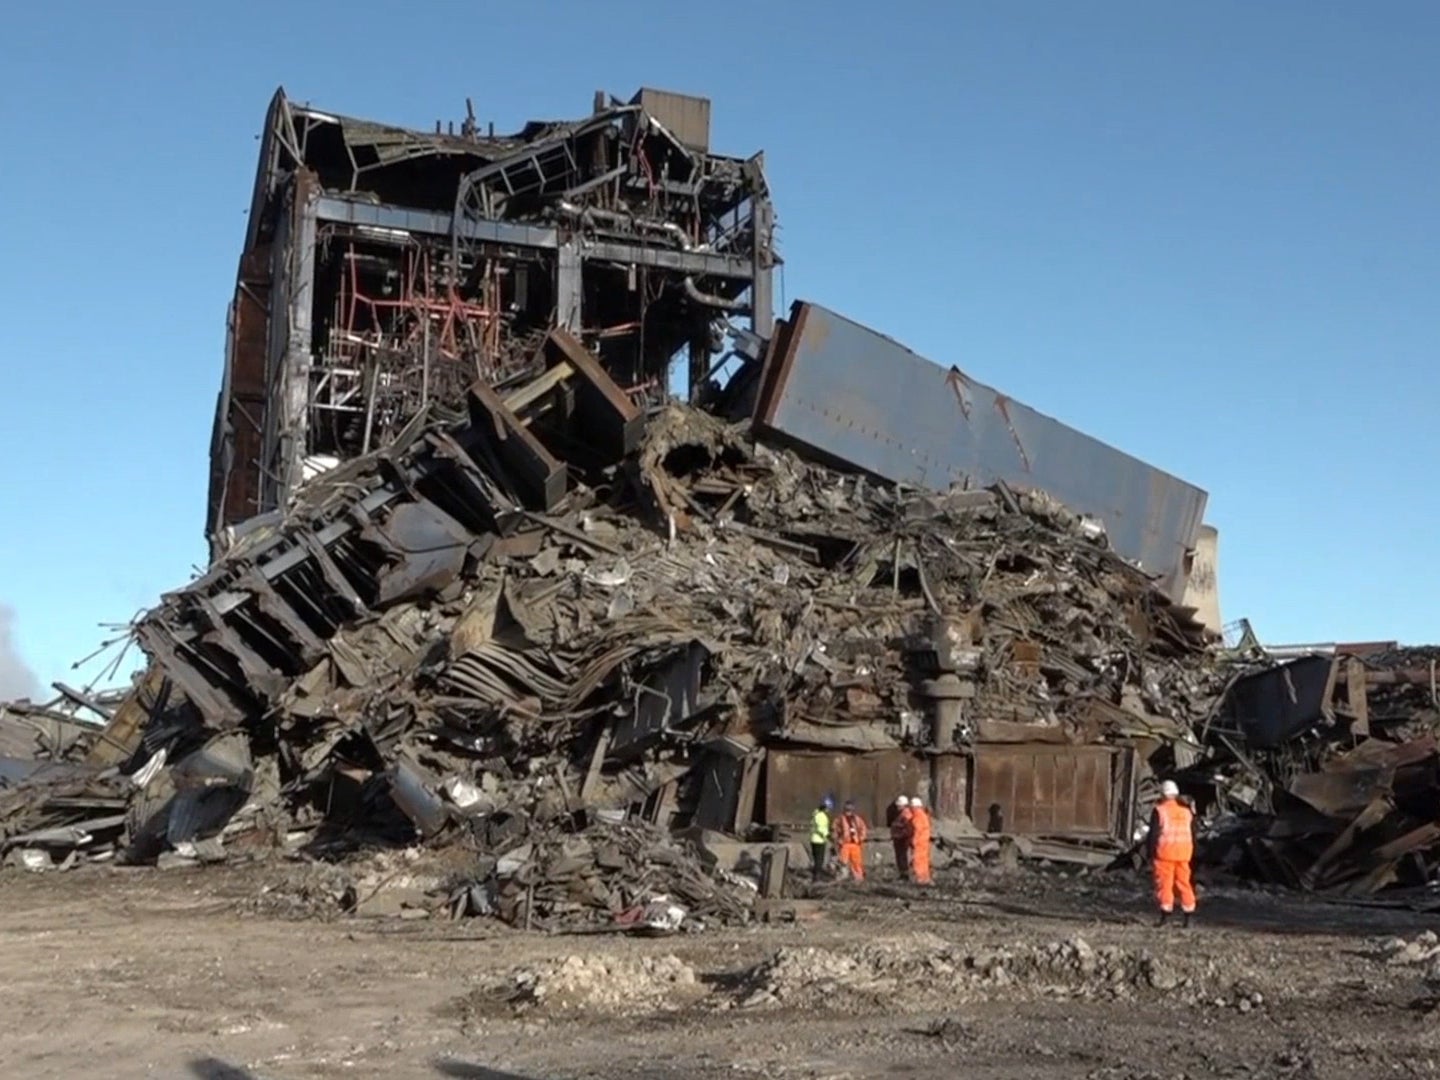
x: 796, y: 781
x: 855, y: 395
x: 1044, y: 790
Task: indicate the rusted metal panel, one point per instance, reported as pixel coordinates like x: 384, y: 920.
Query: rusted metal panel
x: 854, y: 395
x: 604, y: 411
x: 1045, y: 790
x: 540, y: 475
x: 796, y: 781
x: 684, y: 116
x: 240, y: 423
x: 1364, y: 648
x: 952, y: 786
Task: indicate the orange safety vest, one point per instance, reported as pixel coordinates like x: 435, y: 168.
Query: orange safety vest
x: 920, y: 826
x: 1175, y: 843
x: 851, y: 829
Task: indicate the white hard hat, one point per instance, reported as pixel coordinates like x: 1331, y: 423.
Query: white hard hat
x: 915, y: 801
x: 1169, y: 789
x: 902, y: 801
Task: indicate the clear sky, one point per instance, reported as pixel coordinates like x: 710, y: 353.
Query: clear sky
x: 1207, y: 233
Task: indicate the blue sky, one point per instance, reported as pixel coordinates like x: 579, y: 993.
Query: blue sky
x: 1208, y: 234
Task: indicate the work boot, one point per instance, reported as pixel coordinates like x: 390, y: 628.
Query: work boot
x: 1185, y: 920
x: 1164, y: 919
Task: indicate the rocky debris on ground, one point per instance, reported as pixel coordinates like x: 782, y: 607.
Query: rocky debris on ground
x: 598, y: 983
x: 1420, y: 955
x: 924, y: 967
x: 625, y: 875
x: 406, y: 883
x: 914, y: 973
x: 1399, y: 952
x: 950, y: 1031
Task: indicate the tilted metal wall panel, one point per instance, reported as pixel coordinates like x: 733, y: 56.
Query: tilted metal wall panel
x: 856, y: 396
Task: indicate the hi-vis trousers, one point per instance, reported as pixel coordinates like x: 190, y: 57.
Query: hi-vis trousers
x: 1172, y: 876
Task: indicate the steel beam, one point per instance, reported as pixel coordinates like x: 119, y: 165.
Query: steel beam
x: 294, y: 397
x: 697, y: 263
x: 540, y: 476
x: 338, y: 210
x: 569, y: 286
x: 605, y: 413
x: 762, y: 296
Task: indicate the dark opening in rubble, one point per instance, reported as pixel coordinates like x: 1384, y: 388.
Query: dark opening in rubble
x: 270, y: 641
x: 304, y: 590
x: 833, y: 551
x: 691, y: 459
x: 906, y: 582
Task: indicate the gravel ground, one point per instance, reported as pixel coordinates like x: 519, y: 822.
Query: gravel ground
x: 252, y: 972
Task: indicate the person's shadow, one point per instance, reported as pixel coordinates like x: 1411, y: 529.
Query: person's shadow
x: 215, y: 1069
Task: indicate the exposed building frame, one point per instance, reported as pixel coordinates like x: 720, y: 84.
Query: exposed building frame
x: 386, y: 269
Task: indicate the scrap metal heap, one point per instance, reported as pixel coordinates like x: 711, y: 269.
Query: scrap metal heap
x: 475, y: 581
x: 1324, y: 773
x: 712, y: 637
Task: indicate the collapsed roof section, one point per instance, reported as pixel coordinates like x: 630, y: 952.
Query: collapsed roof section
x: 385, y: 270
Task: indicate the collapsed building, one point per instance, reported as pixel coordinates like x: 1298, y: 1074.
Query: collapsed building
x: 386, y: 271
x: 477, y: 575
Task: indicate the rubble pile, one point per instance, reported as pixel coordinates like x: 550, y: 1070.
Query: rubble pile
x: 890, y: 969
x: 1323, y: 773
x: 45, y: 737
x: 476, y: 579
x: 562, y: 694
x: 594, y: 982
x: 586, y: 662
x: 630, y: 875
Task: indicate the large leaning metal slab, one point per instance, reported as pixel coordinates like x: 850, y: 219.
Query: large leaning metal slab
x: 862, y: 399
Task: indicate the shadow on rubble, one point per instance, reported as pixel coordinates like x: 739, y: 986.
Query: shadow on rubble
x: 214, y: 1069
x: 1300, y: 914
x: 1223, y: 906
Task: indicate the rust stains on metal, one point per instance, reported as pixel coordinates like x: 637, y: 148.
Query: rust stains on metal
x: 957, y: 382
x: 1002, y: 406
x: 1044, y: 790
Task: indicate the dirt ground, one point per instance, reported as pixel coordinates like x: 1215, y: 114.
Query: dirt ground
x: 1016, y: 974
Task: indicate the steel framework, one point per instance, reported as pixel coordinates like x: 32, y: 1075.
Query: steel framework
x: 385, y: 270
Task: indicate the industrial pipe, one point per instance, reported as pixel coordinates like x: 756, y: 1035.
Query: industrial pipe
x: 711, y: 300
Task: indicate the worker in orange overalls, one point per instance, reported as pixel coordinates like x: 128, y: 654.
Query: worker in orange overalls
x: 1172, y: 846
x: 919, y: 840
x: 900, y: 836
x: 850, y: 835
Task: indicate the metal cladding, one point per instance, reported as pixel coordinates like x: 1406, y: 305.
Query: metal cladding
x: 856, y: 396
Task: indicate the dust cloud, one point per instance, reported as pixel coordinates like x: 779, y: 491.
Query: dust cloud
x: 16, y: 678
